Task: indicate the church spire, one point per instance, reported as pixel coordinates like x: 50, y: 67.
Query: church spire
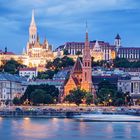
x: 33, y: 18
x: 32, y: 30
x: 86, y: 32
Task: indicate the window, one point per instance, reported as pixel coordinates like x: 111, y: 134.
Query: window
x: 85, y: 76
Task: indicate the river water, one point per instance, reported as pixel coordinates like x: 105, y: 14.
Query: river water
x: 66, y: 129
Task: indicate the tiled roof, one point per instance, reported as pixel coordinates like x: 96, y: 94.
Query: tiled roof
x: 27, y: 69
x: 10, y: 77
x: 9, y: 53
x: 77, y: 66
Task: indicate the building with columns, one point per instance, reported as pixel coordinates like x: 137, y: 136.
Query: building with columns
x: 81, y: 73
x: 99, y: 50
x: 130, y: 84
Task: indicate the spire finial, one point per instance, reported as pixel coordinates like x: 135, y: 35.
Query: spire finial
x: 33, y: 18
x: 86, y: 26
x: 86, y: 31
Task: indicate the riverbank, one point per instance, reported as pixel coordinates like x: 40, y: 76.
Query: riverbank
x: 63, y: 112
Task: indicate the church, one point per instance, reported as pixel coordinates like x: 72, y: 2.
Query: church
x: 37, y: 54
x: 81, y: 73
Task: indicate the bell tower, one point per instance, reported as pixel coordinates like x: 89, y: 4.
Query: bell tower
x: 32, y: 30
x: 86, y: 83
x: 117, y: 42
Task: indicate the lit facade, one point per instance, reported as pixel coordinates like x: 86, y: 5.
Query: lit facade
x: 36, y: 54
x: 81, y: 74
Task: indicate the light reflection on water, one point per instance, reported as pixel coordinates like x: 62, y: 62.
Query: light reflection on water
x: 67, y: 129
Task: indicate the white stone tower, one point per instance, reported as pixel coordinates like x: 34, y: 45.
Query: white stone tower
x: 32, y: 30
x: 117, y: 42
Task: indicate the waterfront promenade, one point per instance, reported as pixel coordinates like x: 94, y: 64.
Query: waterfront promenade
x: 64, y: 111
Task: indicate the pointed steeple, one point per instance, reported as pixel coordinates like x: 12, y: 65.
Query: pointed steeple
x: 117, y: 36
x: 32, y: 30
x: 86, y: 32
x: 33, y: 19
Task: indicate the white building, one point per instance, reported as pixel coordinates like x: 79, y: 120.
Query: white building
x: 11, y: 86
x: 130, y: 84
x: 28, y: 72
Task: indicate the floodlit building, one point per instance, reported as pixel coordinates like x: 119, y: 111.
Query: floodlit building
x: 81, y: 74
x: 11, y: 86
x: 130, y: 84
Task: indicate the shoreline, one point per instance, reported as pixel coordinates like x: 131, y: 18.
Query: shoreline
x: 64, y: 112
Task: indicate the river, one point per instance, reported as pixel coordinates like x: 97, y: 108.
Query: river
x: 66, y: 129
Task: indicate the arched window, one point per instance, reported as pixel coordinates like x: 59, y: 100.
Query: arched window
x: 85, y: 76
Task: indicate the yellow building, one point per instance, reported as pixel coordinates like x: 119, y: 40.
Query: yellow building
x: 97, y: 53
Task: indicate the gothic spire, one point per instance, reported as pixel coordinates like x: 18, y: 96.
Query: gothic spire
x: 33, y: 18
x: 86, y: 32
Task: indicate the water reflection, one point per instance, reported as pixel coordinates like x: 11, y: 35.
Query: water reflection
x: 67, y: 129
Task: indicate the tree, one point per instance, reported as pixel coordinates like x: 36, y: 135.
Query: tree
x: 107, y: 94
x: 66, y: 52
x: 48, y: 99
x: 76, y: 96
x: 78, y: 53
x: 12, y: 66
x: 38, y: 96
x: 47, y: 90
x: 124, y: 63
x: 60, y: 63
x: 46, y: 75
x: 16, y: 101
x: 89, y: 98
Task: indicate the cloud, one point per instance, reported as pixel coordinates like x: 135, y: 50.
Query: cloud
x: 63, y: 20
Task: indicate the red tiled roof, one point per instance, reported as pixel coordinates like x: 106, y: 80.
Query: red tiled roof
x: 77, y: 66
x: 28, y: 69
x: 9, y: 53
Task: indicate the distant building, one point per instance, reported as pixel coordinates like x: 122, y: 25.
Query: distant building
x: 58, y: 80
x: 129, y: 53
x: 30, y: 73
x: 11, y: 86
x: 99, y: 50
x: 130, y: 84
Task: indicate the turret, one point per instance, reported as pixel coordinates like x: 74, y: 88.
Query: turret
x: 117, y: 42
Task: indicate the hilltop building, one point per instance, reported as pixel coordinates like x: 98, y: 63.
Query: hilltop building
x: 35, y: 54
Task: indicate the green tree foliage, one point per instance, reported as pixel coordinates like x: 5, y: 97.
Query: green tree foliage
x: 16, y: 101
x: 51, y: 93
x: 78, y: 96
x: 46, y: 75
x: 60, y: 63
x: 89, y: 98
x: 66, y: 52
x: 124, y: 63
x: 12, y: 66
x: 78, y: 53
x: 107, y: 94
x: 38, y: 96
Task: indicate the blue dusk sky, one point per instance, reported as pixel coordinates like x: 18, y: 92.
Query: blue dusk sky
x: 61, y: 21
